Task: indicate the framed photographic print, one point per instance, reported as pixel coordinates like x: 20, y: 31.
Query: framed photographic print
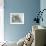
x: 16, y: 18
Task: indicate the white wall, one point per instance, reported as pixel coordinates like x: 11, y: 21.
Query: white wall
x: 43, y: 6
x: 1, y: 21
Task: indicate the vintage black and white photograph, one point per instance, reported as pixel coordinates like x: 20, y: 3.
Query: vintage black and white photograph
x: 16, y: 18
